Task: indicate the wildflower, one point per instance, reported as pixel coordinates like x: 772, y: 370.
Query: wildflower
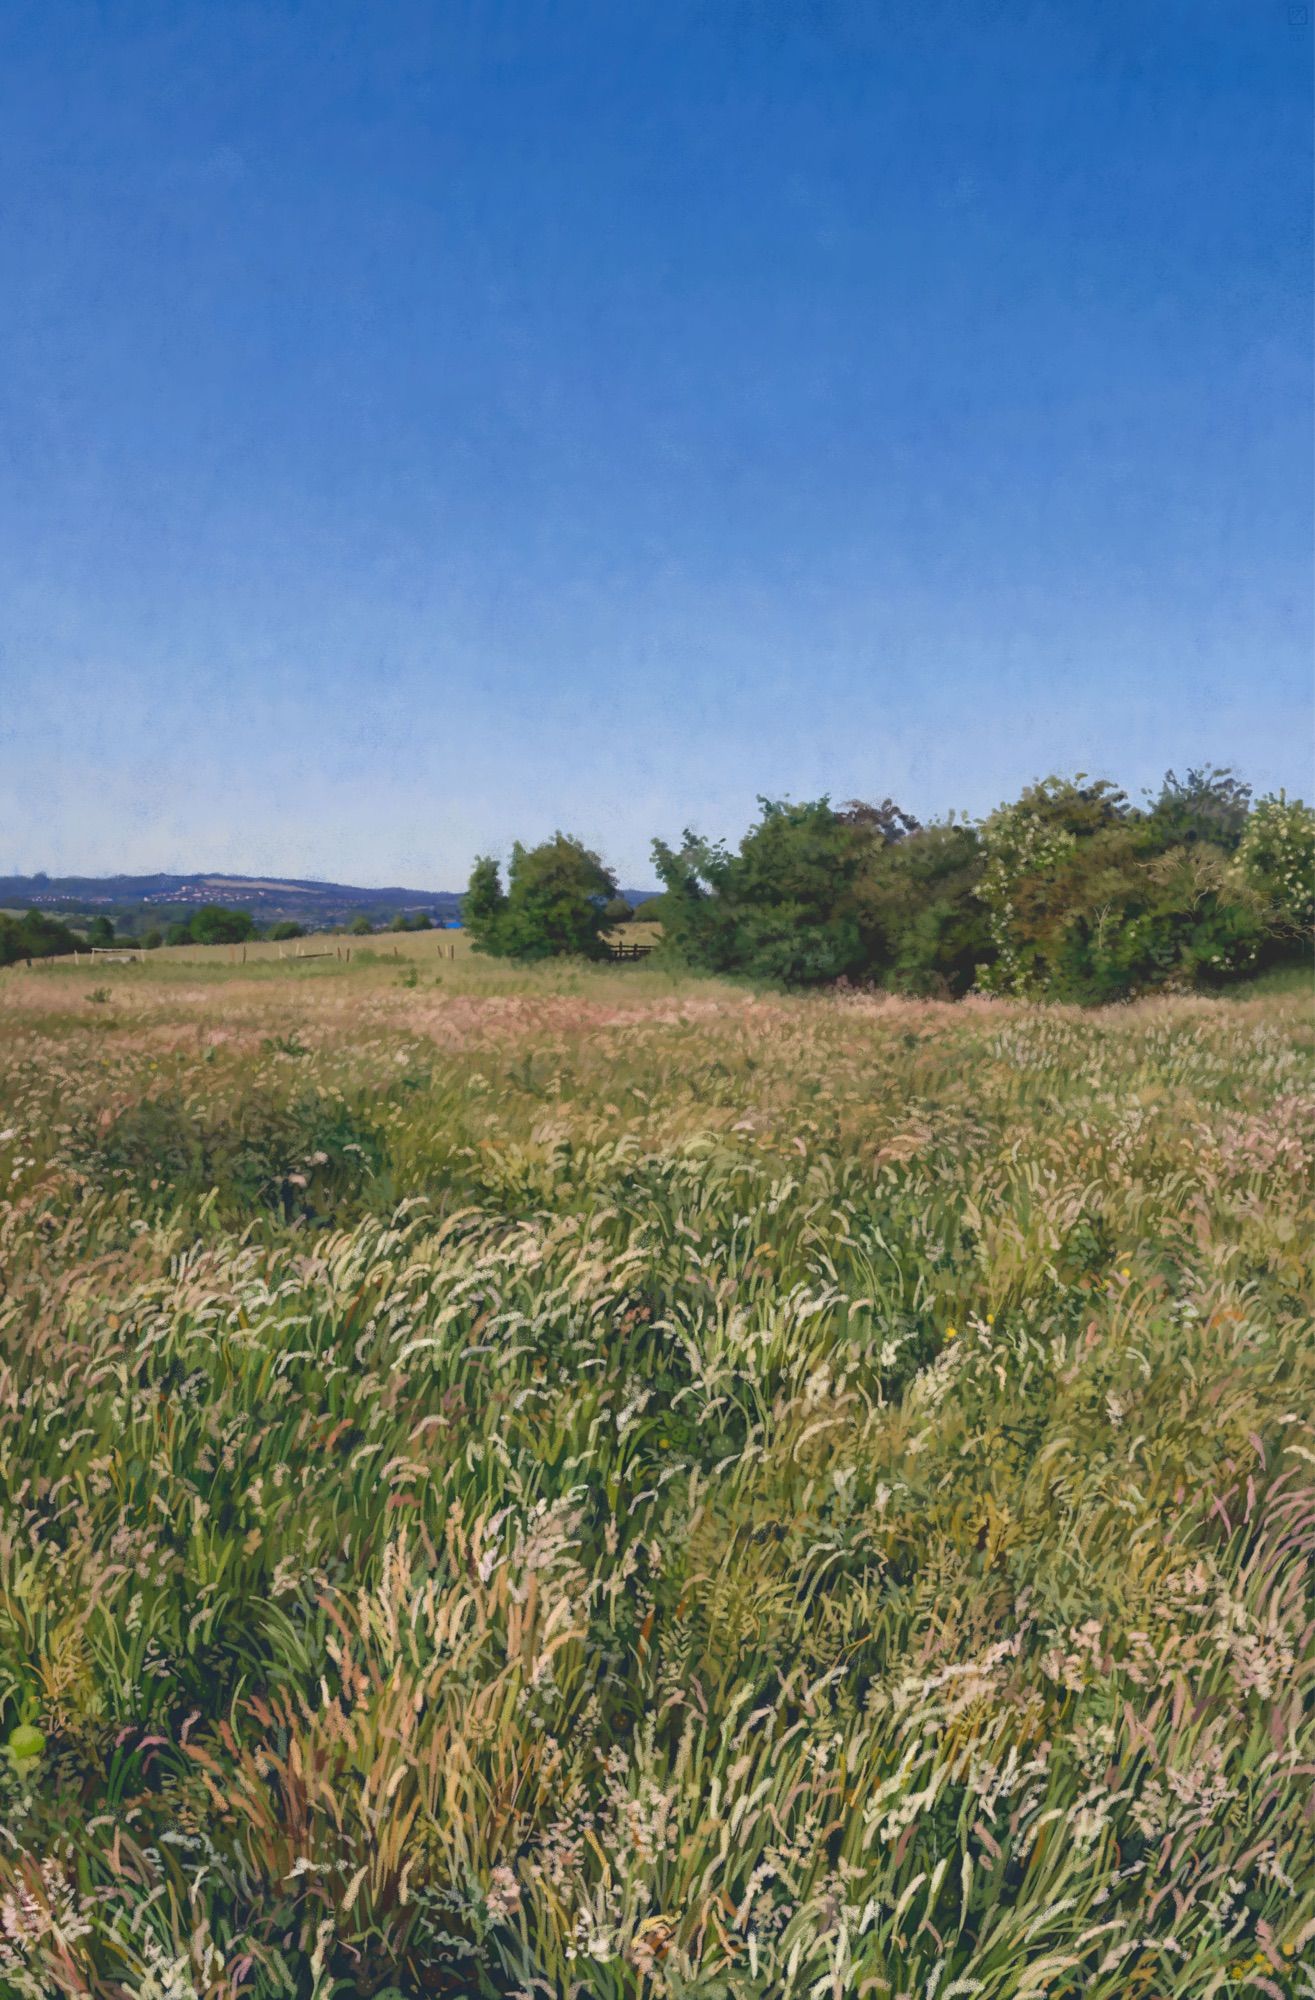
x: 951, y: 1333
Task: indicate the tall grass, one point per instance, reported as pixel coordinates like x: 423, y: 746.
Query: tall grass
x: 578, y: 1484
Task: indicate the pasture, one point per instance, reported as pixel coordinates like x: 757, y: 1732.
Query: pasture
x: 583, y: 1483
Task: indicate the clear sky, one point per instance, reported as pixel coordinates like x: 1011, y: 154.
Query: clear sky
x: 423, y: 425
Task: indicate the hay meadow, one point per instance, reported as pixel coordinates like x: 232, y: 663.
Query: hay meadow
x: 593, y: 1483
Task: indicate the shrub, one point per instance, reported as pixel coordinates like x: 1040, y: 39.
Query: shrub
x: 310, y: 1158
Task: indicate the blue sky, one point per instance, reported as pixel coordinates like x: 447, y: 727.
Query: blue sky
x: 427, y: 425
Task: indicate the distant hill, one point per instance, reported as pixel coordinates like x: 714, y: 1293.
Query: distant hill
x: 270, y: 899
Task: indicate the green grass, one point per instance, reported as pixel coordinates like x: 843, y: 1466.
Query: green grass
x: 1280, y: 979
x: 578, y: 1483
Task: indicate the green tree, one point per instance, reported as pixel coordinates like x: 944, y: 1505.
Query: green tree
x: 920, y: 907
x: 1275, y: 867
x: 554, y: 904
x: 360, y: 927
x: 100, y: 932
x: 34, y: 935
x: 618, y: 911
x: 1091, y: 900
x: 213, y: 924
x: 285, y: 929
x: 152, y: 939
x: 784, y: 907
x: 484, y: 906
x: 1210, y: 805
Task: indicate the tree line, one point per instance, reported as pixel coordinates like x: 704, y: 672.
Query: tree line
x: 37, y: 934
x: 1070, y: 892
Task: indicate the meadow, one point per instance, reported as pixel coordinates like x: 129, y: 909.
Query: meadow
x: 581, y: 1482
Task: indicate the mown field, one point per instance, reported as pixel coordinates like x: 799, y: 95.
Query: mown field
x: 581, y: 1484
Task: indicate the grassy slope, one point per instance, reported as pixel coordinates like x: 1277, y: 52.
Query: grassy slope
x: 491, y: 1461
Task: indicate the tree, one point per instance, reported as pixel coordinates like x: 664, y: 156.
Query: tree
x: 285, y: 929
x: 887, y: 819
x: 422, y: 921
x: 920, y: 907
x: 1275, y: 867
x: 213, y: 924
x: 153, y: 938
x: 618, y: 911
x: 1208, y: 805
x: 1091, y: 900
x: 34, y: 935
x: 784, y: 907
x: 554, y: 905
x: 360, y: 927
x: 179, y: 932
x: 484, y: 905
x: 100, y: 932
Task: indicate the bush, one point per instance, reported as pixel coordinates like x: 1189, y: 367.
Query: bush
x: 1067, y: 893
x: 311, y: 1159
x: 280, y: 932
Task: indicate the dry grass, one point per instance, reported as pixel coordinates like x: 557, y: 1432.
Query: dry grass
x: 583, y: 1484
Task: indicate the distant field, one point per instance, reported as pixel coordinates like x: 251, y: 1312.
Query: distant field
x: 584, y: 1482
x: 421, y: 946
